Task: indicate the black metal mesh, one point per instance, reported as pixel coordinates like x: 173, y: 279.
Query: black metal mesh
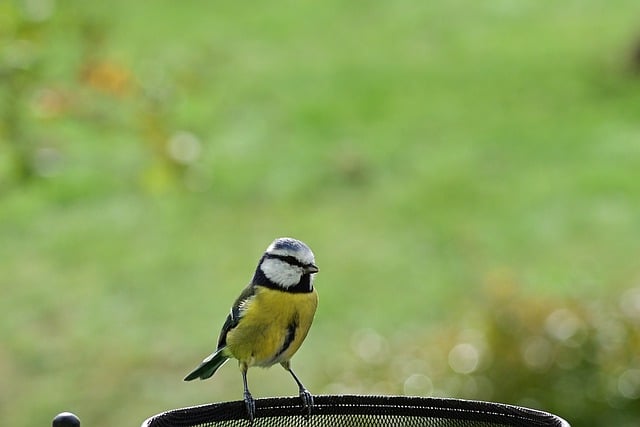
x: 368, y: 411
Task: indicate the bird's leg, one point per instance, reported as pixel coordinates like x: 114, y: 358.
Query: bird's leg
x: 248, y: 399
x: 305, y: 395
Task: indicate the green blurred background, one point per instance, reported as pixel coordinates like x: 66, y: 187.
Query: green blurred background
x: 467, y: 173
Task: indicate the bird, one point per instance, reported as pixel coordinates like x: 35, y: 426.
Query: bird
x: 270, y: 319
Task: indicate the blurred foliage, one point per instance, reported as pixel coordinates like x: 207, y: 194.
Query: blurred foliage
x: 95, y: 90
x: 20, y: 65
x: 148, y: 153
x: 576, y: 358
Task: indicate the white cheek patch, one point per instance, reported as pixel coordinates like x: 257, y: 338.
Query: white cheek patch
x: 281, y: 272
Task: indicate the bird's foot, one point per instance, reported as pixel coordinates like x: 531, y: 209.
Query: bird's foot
x: 251, y: 406
x: 307, y: 401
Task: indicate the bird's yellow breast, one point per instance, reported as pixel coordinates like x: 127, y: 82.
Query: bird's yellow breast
x: 273, y: 326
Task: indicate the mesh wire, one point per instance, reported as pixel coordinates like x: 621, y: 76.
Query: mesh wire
x: 367, y: 411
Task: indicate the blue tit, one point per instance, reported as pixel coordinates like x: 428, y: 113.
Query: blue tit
x: 270, y: 318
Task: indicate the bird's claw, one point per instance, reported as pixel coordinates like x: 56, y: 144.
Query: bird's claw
x: 251, y: 406
x: 307, y: 401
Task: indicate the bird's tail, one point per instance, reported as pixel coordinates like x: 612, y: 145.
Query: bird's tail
x: 209, y: 365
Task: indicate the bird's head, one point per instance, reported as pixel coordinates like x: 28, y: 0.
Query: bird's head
x: 288, y: 263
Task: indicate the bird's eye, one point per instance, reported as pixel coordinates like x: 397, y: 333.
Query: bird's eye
x: 291, y: 260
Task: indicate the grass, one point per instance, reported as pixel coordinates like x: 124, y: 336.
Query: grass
x: 420, y: 149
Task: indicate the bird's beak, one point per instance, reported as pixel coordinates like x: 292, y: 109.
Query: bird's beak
x: 312, y: 268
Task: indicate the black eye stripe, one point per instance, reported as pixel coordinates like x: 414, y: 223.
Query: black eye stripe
x: 288, y: 259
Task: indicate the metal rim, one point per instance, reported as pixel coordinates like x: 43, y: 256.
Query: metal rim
x: 363, y: 405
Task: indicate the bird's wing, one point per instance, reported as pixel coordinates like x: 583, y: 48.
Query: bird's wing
x: 235, y: 314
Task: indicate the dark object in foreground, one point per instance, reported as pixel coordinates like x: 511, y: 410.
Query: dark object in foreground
x: 349, y: 410
x: 66, y: 419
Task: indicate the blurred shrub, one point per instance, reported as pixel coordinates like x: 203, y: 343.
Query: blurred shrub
x: 21, y: 29
x: 38, y: 82
x: 578, y: 359
x: 58, y: 77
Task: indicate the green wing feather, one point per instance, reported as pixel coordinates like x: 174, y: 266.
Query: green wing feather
x: 208, y: 366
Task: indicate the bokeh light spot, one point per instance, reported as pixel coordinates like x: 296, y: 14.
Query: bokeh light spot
x: 38, y: 10
x: 369, y: 345
x: 563, y: 325
x: 629, y: 384
x: 630, y: 303
x: 464, y: 358
x: 184, y: 147
x: 418, y: 385
x: 47, y: 162
x: 537, y: 353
